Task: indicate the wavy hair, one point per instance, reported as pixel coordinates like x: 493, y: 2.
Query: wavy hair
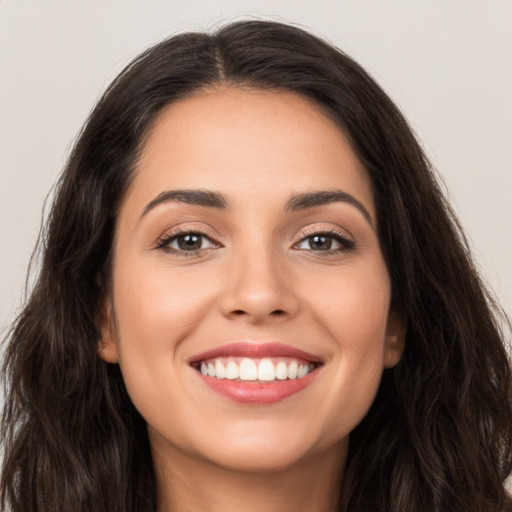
x: 438, y: 436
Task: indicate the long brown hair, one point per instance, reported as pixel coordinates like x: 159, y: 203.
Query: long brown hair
x: 439, y: 434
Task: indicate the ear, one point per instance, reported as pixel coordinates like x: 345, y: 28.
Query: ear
x: 107, y: 345
x: 394, y: 343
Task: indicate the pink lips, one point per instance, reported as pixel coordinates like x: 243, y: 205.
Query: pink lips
x: 256, y: 392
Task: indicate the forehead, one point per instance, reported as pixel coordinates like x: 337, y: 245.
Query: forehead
x: 248, y: 144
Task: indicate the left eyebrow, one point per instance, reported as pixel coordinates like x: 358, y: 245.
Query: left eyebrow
x: 198, y: 197
x: 322, y: 197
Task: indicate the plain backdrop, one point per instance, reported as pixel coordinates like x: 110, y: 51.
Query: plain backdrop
x: 447, y: 64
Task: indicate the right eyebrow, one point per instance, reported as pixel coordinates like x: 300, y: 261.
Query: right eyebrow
x: 198, y: 197
x: 323, y: 197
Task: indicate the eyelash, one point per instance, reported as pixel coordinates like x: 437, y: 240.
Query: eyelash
x: 346, y: 244
x: 163, y: 242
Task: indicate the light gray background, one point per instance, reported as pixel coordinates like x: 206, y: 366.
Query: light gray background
x: 447, y: 63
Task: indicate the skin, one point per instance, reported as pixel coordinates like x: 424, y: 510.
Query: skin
x: 258, y: 280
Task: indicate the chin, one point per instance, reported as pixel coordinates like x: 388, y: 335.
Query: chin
x: 266, y: 452
x: 258, y: 459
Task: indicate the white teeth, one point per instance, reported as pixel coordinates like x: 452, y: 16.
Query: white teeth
x: 220, y: 371
x: 292, y: 370
x: 281, y: 371
x: 266, y: 370
x: 248, y: 369
x: 231, y: 370
x: 303, y: 371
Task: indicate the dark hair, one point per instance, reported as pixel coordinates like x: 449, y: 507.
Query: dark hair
x: 438, y: 436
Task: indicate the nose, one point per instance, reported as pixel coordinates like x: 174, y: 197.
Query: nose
x: 258, y: 289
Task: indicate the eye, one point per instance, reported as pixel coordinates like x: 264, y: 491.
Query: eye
x: 186, y: 242
x: 326, y: 242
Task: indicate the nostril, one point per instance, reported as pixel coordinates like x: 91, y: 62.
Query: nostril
x: 276, y: 312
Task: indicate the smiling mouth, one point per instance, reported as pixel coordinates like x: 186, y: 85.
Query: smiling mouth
x: 246, y: 369
x: 256, y: 373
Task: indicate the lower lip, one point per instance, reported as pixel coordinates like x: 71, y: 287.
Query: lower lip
x: 258, y: 393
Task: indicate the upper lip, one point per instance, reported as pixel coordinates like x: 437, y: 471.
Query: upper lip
x: 256, y: 351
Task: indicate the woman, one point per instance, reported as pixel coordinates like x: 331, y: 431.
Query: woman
x: 254, y: 297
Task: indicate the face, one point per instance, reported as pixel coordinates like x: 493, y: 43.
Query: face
x: 250, y: 308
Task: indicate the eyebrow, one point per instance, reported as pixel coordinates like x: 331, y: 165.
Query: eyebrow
x: 297, y: 202
x: 322, y: 197
x: 197, y: 197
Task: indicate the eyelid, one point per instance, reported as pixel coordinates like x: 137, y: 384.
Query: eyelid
x: 341, y: 235
x: 177, y: 231
x: 326, y: 229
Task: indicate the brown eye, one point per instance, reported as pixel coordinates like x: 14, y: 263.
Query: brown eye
x: 326, y: 242
x: 190, y: 242
x: 320, y: 242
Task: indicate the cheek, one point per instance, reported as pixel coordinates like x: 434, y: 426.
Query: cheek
x: 353, y: 305
x: 155, y: 310
x: 354, y: 317
x: 155, y: 306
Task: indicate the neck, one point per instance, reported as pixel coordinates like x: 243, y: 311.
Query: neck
x: 186, y: 484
